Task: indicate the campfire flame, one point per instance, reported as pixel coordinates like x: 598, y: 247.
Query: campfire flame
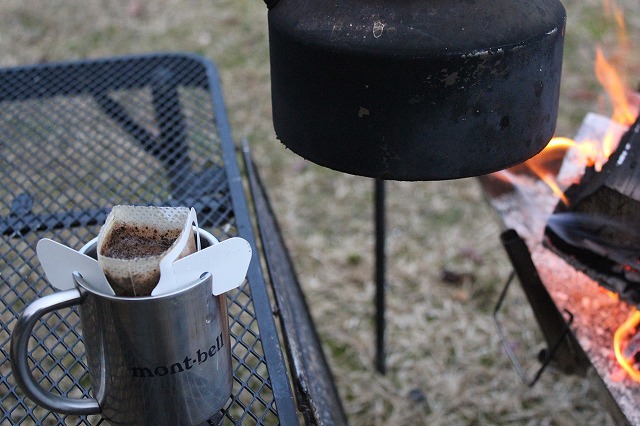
x: 591, y: 153
x: 629, y: 327
x: 558, y: 146
x: 615, y: 87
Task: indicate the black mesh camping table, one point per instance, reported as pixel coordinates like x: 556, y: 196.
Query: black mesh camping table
x: 77, y: 138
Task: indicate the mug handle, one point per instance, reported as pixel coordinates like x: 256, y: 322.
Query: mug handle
x: 19, y: 354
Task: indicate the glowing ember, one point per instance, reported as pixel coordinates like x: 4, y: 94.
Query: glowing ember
x: 620, y: 338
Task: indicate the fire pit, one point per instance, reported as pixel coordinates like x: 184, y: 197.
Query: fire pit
x: 581, y: 259
x: 594, y: 315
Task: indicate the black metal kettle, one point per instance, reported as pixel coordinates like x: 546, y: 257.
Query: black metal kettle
x: 415, y: 89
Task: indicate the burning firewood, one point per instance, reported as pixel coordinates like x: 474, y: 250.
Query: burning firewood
x: 597, y: 229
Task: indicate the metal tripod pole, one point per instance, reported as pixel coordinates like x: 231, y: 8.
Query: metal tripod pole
x: 380, y: 272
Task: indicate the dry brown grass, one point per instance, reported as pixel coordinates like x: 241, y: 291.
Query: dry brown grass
x: 445, y: 362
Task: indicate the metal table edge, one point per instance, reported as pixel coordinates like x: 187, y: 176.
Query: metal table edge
x: 282, y: 391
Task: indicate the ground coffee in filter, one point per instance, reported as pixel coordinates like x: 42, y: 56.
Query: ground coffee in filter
x: 133, y: 241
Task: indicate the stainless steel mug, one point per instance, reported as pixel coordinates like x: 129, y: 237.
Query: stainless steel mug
x: 162, y: 360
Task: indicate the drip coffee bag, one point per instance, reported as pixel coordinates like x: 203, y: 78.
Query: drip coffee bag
x: 133, y: 241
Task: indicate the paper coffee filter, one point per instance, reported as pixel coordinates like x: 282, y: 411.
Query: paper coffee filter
x: 133, y: 241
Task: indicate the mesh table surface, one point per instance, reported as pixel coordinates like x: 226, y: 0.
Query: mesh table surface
x: 77, y: 138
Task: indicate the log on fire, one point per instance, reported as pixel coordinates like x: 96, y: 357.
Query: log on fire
x: 598, y: 231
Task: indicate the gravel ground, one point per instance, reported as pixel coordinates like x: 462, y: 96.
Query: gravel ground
x: 445, y: 364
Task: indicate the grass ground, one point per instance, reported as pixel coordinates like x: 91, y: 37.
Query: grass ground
x: 444, y: 358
